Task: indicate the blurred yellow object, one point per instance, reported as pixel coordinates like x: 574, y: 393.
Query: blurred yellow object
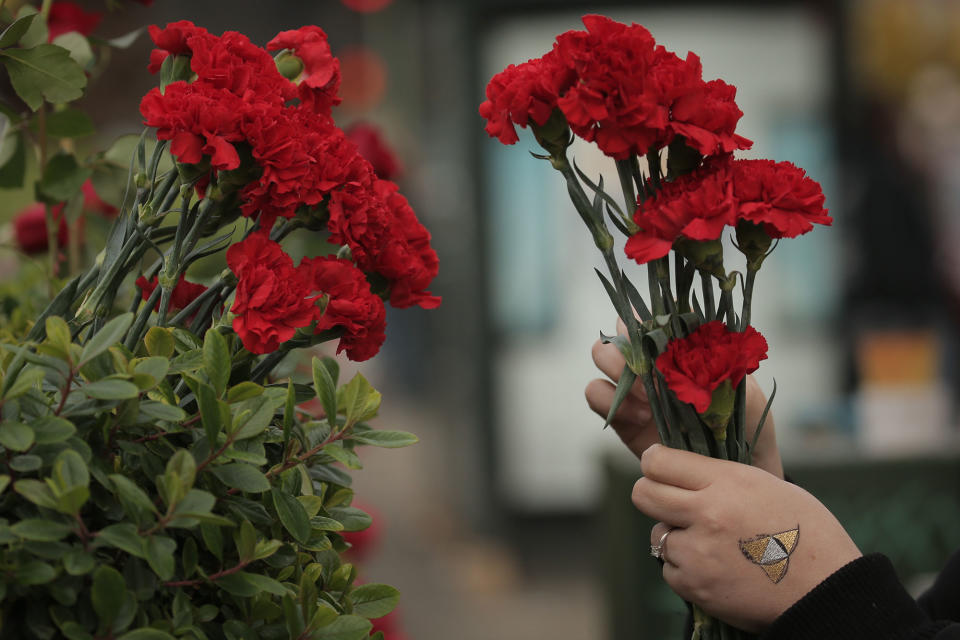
x: 898, y: 358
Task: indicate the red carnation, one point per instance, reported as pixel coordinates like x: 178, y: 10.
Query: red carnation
x: 695, y: 206
x: 779, y: 196
x: 374, y: 148
x: 177, y: 38
x: 272, y: 298
x: 321, y: 70
x: 707, y: 118
x: 30, y: 228
x: 65, y: 17
x: 350, y: 305
x: 523, y: 93
x: 696, y: 365
x: 181, y: 296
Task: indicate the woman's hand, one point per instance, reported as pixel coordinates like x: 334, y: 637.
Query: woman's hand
x: 743, y: 545
x: 635, y: 425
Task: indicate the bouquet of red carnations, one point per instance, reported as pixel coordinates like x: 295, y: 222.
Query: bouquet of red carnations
x: 158, y: 478
x: 672, y: 136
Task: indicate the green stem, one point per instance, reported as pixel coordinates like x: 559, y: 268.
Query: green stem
x: 136, y: 332
x: 709, y: 301
x: 747, y: 298
x: 213, y: 291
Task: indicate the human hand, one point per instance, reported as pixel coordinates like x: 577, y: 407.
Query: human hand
x: 635, y: 425
x: 720, y: 554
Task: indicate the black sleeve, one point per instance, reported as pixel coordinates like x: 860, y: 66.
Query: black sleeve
x: 863, y: 600
x: 942, y: 600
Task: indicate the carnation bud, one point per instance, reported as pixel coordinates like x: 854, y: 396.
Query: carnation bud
x: 754, y: 242
x: 289, y: 66
x: 706, y: 255
x: 681, y: 158
x: 717, y: 416
x: 554, y: 134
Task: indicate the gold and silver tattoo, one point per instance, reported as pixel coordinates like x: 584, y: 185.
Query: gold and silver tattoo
x: 772, y: 551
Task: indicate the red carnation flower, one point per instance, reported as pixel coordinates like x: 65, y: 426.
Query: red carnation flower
x: 523, y: 93
x: 779, y: 196
x: 696, y: 365
x: 177, y: 38
x: 65, y: 17
x: 374, y: 148
x: 695, y: 206
x: 30, y: 229
x: 181, y: 296
x: 707, y: 118
x: 321, y: 70
x: 350, y: 305
x: 272, y: 298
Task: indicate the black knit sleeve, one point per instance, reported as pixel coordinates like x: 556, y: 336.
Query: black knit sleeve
x: 942, y: 600
x: 863, y: 600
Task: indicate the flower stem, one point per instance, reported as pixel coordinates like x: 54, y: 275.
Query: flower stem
x: 747, y: 298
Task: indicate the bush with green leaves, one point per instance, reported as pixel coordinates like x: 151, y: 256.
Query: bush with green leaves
x: 125, y: 515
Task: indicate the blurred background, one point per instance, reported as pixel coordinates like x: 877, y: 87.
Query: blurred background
x: 511, y: 519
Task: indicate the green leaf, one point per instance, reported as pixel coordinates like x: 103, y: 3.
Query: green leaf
x: 111, y: 389
x: 245, y: 477
x: 292, y: 515
x: 289, y: 412
x: 123, y: 536
x: 44, y: 71
x: 155, y: 367
x: 345, y: 628
x: 246, y: 540
x: 16, y: 436
x: 26, y: 463
x: 388, y: 439
x: 216, y: 360
x: 52, y: 429
x: 182, y: 468
x: 107, y: 593
x: 37, y: 33
x: 41, y: 530
x: 34, y: 572
x: 322, y: 523
x: 58, y: 333
x: 14, y: 170
x: 260, y: 416
x: 238, y: 584
x: 78, y: 46
x: 28, y: 378
x: 351, y: 518
x: 36, y: 492
x: 111, y: 333
x: 213, y: 540
x: 159, y: 342
x: 162, y: 412
x: 72, y: 500
x: 160, y: 552
x: 326, y: 389
x: 69, y: 470
x: 348, y: 458
x: 146, y: 633
x: 136, y: 503
x: 214, y: 413
x: 12, y: 34
x: 243, y: 391
x: 62, y: 179
x: 189, y: 557
x: 4, y: 482
x: 69, y: 123
x: 78, y: 562
x: 263, y: 583
x: 374, y: 600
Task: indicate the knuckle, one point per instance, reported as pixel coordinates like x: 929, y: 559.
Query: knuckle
x: 649, y: 459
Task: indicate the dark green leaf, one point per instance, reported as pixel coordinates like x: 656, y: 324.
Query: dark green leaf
x: 624, y: 384
x: 238, y: 584
x: 107, y: 593
x: 216, y: 360
x: 190, y: 557
x: 292, y: 515
x: 289, y: 412
x: 358, y: 400
x: 69, y: 123
x: 69, y: 470
x: 325, y: 524
x: 28, y: 378
x: 388, y: 439
x: 243, y: 391
x: 62, y: 179
x: 136, y: 503
x: 51, y: 429
x: 12, y: 34
x: 258, y: 417
x: 212, y: 411
x: 41, y: 530
x: 162, y: 412
x: 160, y: 552
x: 34, y: 572
x: 78, y: 563
x: 146, y: 633
x: 245, y: 477
x: 111, y: 333
x: 111, y: 389
x: 374, y: 600
x: 344, y: 456
x: 15, y: 436
x: 78, y: 46
x: 14, y: 170
x: 213, y: 539
x: 326, y: 389
x: 37, y: 33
